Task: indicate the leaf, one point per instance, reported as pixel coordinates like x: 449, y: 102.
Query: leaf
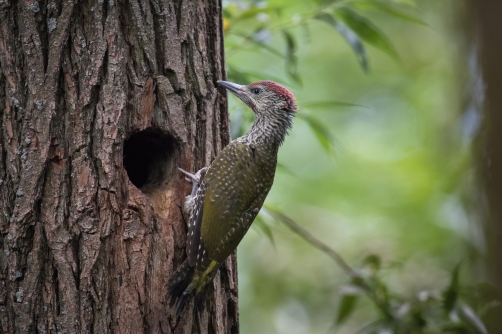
x: 259, y: 43
x: 307, y: 38
x: 351, y: 38
x: 410, y: 3
x: 391, y: 10
x: 382, y: 293
x: 265, y: 228
x: 367, y: 31
x: 347, y: 307
x: 350, y: 293
x: 320, y: 130
x: 470, y: 317
x: 227, y: 13
x: 329, y: 105
x: 291, y: 59
x: 373, y: 261
x: 450, y: 295
x: 280, y: 167
x: 238, y: 76
x: 325, y: 137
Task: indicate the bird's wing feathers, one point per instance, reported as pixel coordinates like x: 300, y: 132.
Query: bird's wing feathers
x: 233, y: 198
x: 226, y: 203
x: 213, y: 197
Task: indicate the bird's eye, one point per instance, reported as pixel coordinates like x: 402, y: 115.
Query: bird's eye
x: 256, y: 90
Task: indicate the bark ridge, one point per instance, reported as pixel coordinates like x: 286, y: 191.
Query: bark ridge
x: 84, y: 250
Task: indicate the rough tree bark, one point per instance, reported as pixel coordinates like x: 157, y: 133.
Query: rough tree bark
x: 99, y: 102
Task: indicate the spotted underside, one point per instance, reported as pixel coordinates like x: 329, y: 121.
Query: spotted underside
x: 227, y: 202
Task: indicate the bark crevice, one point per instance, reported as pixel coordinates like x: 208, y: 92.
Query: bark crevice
x: 84, y: 250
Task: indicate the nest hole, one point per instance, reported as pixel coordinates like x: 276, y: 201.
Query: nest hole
x: 149, y: 158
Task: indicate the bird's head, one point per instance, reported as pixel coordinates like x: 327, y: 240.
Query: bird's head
x: 265, y: 98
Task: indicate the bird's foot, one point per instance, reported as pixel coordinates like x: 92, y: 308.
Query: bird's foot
x: 194, y: 178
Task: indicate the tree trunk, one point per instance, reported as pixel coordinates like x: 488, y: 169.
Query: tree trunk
x: 100, y: 101
x: 490, y: 41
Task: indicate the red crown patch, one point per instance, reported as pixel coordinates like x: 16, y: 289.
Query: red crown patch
x: 281, y: 91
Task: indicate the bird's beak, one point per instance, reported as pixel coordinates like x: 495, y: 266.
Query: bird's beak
x: 234, y: 88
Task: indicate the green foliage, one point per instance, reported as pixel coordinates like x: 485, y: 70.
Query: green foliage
x: 367, y: 31
x: 349, y: 295
x: 329, y: 105
x: 391, y: 9
x: 350, y: 36
x: 428, y: 312
x: 450, y: 296
x: 341, y: 15
x: 355, y: 29
x: 291, y: 59
x: 265, y: 228
x: 322, y: 133
x: 401, y: 198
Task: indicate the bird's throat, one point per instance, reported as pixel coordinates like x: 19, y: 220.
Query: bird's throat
x: 269, y: 129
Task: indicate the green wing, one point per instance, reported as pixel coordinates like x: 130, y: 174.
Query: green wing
x: 235, y: 192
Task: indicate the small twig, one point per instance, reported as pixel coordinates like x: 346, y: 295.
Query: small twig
x: 314, y: 242
x: 352, y: 273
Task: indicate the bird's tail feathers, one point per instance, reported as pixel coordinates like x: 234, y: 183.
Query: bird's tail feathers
x: 179, y: 288
x: 187, y: 280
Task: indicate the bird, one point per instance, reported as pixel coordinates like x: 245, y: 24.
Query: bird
x: 227, y: 196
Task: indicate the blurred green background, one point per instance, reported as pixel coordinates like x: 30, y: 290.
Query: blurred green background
x: 378, y: 163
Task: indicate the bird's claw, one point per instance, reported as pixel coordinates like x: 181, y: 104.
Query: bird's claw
x: 194, y: 178
x: 191, y: 177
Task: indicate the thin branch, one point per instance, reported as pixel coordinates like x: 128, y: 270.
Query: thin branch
x: 352, y: 273
x: 313, y: 241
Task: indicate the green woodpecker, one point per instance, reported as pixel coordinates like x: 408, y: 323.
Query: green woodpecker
x: 226, y: 200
